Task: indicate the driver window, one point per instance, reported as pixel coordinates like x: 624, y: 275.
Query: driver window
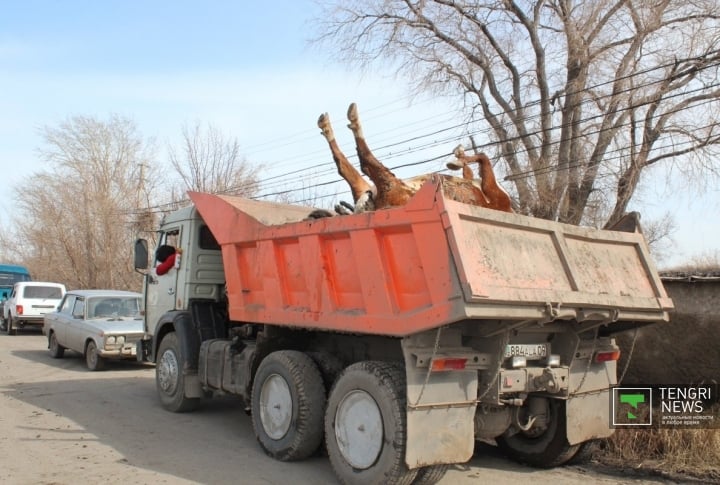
x: 79, y: 308
x: 67, y: 305
x: 170, y: 238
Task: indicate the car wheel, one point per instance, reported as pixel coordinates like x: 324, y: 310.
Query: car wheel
x: 288, y: 404
x: 169, y: 377
x: 56, y: 350
x: 93, y: 360
x: 546, y: 449
x: 365, y: 425
x: 11, y: 330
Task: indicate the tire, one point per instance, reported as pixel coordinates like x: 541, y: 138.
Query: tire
x: 169, y: 377
x: 329, y: 366
x: 93, y: 359
x: 366, y: 425
x: 11, y: 330
x: 56, y: 350
x: 429, y: 475
x: 288, y: 405
x: 547, y: 450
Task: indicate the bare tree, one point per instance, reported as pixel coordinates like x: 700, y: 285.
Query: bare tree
x: 209, y: 162
x: 577, y: 98
x: 76, y: 220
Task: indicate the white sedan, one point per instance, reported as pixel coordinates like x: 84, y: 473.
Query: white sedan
x: 100, y: 324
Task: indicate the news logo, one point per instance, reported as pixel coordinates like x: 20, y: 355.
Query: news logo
x: 631, y: 406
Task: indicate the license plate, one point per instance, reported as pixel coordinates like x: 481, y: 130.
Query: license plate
x: 527, y: 350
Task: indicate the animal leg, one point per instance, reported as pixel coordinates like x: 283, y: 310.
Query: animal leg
x: 391, y: 191
x: 358, y: 185
x: 496, y: 195
x: 461, y: 163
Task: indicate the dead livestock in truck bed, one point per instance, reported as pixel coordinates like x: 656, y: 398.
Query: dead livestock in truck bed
x: 391, y: 191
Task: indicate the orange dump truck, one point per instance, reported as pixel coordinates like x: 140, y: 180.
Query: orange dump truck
x: 400, y: 336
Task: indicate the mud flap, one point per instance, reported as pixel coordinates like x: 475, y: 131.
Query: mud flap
x: 193, y: 388
x: 440, y: 422
x: 588, y: 417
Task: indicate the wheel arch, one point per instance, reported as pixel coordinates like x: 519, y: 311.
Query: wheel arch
x: 181, y: 323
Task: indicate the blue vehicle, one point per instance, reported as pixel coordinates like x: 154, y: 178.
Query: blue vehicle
x: 9, y: 275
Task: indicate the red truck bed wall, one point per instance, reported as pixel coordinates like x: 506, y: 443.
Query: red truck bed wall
x: 428, y: 263
x: 386, y: 272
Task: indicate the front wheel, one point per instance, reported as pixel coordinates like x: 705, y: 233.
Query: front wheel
x: 542, y: 448
x: 93, y: 359
x: 169, y: 377
x: 365, y: 425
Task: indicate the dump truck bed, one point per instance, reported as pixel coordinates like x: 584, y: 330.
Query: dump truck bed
x: 428, y: 263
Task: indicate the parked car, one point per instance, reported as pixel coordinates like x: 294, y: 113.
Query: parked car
x: 28, y: 303
x: 100, y: 324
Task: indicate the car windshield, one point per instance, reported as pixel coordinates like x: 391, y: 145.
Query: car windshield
x: 113, y: 307
x: 42, y: 292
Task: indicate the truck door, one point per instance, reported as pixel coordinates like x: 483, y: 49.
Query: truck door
x: 161, y: 296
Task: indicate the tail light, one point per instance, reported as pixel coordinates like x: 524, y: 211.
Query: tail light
x: 447, y: 363
x: 607, y: 356
x: 19, y: 309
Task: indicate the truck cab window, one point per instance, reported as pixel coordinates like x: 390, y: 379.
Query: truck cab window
x: 207, y: 240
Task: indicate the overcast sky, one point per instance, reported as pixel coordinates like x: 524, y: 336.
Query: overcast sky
x: 246, y: 68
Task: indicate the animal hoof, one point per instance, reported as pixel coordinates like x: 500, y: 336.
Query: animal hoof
x: 454, y: 165
x: 352, y: 113
x: 324, y: 125
x: 459, y: 152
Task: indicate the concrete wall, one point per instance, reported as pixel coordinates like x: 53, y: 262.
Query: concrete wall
x: 685, y: 350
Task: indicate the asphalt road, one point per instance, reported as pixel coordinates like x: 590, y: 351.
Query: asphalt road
x: 61, y: 424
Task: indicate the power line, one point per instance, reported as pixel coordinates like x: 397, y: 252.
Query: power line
x: 327, y: 168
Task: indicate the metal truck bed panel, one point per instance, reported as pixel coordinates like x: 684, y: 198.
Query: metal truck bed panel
x: 429, y: 263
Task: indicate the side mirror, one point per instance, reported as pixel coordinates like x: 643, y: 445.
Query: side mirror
x: 141, y: 254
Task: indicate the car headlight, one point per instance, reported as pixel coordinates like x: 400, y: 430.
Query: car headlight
x: 110, y: 340
x: 121, y: 339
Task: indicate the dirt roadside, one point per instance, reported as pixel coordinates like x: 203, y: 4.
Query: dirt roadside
x: 60, y: 424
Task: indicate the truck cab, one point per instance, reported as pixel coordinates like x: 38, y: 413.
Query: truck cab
x: 196, y: 285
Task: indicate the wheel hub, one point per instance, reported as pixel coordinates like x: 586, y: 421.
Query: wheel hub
x: 359, y: 429
x: 276, y: 406
x: 168, y: 372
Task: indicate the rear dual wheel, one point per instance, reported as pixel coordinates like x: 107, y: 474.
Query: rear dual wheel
x: 288, y: 402
x: 366, y: 427
x: 547, y: 448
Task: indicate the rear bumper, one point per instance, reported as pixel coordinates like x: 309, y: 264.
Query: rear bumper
x: 29, y: 320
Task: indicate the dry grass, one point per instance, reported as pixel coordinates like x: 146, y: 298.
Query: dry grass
x: 691, y: 452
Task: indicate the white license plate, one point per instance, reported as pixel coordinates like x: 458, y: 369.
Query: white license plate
x: 527, y: 350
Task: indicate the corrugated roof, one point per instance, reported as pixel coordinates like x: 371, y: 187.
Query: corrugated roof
x: 690, y: 276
